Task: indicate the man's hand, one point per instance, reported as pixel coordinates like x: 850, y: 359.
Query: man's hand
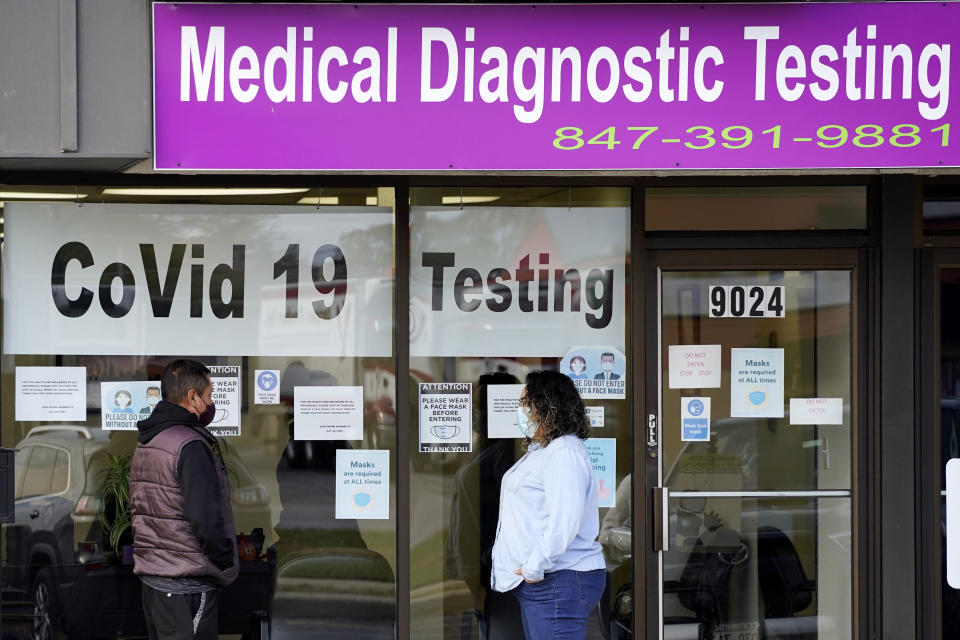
x: 519, y: 572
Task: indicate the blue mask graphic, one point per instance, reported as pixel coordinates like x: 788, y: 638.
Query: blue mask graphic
x: 527, y: 426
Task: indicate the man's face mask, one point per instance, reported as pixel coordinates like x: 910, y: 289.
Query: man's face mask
x: 206, y: 416
x: 153, y: 400
x: 607, y: 365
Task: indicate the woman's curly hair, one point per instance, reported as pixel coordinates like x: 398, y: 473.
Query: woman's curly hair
x: 557, y: 406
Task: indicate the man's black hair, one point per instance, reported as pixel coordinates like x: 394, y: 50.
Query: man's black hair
x: 607, y: 353
x: 180, y: 376
x: 149, y: 389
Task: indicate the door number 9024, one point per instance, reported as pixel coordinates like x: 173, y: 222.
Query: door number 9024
x: 746, y: 301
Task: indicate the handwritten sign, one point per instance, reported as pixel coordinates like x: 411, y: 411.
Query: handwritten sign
x: 694, y: 366
x: 816, y: 411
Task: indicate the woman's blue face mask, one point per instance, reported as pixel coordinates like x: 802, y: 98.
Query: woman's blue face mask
x: 527, y: 426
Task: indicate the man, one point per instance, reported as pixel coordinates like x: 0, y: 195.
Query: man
x: 183, y: 533
x: 606, y: 363
x: 153, y: 399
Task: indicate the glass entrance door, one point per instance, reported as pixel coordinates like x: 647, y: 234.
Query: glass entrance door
x: 754, y: 391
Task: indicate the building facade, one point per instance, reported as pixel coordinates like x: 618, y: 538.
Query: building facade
x: 735, y: 226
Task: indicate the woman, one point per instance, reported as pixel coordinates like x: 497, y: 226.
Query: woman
x: 546, y: 551
x: 121, y: 402
x: 578, y: 367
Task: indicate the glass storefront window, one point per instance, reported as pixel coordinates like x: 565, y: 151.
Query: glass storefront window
x: 758, y: 568
x: 508, y: 282
x: 764, y: 454
x: 288, y: 295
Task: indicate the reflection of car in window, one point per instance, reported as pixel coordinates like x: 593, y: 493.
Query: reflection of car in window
x: 59, y: 569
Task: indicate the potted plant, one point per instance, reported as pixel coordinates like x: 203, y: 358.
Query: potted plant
x: 115, y: 500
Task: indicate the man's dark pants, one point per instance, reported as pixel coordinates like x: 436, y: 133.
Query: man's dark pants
x: 174, y: 616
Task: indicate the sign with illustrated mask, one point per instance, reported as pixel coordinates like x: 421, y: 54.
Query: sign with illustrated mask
x: 267, y: 386
x: 597, y: 372
x: 518, y: 281
x: 363, y: 484
x: 756, y: 383
x: 123, y: 403
x: 225, y: 380
x: 446, y: 417
x: 194, y: 280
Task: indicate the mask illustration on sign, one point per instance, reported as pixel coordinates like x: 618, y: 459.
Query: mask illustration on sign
x: 527, y: 426
x: 468, y: 288
x: 362, y: 499
x: 445, y: 431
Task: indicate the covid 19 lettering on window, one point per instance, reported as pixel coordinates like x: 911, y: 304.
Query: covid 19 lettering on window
x: 196, y: 280
x: 519, y: 282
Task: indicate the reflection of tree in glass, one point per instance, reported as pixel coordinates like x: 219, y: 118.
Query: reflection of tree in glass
x: 369, y: 251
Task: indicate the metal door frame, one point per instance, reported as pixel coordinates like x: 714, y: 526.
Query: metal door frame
x: 708, y: 259
x: 929, y: 535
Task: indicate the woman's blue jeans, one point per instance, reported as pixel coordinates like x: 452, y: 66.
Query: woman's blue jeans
x: 557, y: 607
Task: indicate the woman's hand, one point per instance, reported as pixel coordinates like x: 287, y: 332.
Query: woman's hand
x: 519, y: 572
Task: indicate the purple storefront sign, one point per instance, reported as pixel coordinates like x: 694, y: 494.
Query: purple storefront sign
x: 554, y: 87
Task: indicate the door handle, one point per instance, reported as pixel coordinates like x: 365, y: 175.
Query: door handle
x: 661, y: 518
x: 35, y: 514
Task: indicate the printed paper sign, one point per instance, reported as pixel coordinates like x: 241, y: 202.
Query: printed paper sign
x: 598, y: 371
x: 226, y: 396
x: 695, y: 419
x: 756, y: 389
x: 328, y: 413
x: 595, y: 416
x: 446, y: 417
x: 502, y: 403
x: 603, y: 457
x: 953, y: 523
x: 517, y: 281
x: 126, y: 402
x: 197, y: 280
x: 821, y: 411
x: 363, y: 484
x: 694, y: 366
x: 266, y: 386
x: 51, y: 394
